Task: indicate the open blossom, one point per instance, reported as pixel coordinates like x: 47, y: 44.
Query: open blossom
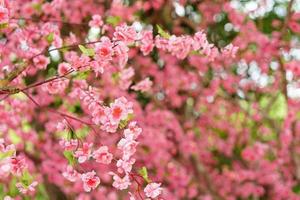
x: 102, y: 155
x: 128, y: 146
x: 41, y: 62
x: 120, y: 183
x: 119, y: 110
x: 125, y: 79
x: 133, y: 131
x: 90, y: 181
x: 27, y: 189
x: 64, y: 68
x: 125, y: 165
x: 125, y: 34
x: 83, y: 153
x: 153, y: 190
x: 3, y: 15
x: 143, y: 86
x: 96, y: 21
x: 18, y: 164
x: 104, y: 50
x: 69, y: 145
x: 71, y: 174
x: 147, y: 42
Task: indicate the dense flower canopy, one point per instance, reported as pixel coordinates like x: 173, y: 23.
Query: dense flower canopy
x: 154, y: 100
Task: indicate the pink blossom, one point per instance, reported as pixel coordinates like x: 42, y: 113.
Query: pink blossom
x: 102, y: 155
x: 125, y: 165
x: 69, y: 145
x: 71, y: 174
x: 120, y: 183
x: 90, y: 181
x: 153, y: 190
x: 125, y: 34
x: 3, y: 15
x: 119, y: 110
x: 64, y: 68
x: 143, y: 86
x: 83, y: 153
x: 96, y: 21
x: 41, y: 62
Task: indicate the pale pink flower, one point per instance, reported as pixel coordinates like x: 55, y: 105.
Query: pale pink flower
x: 143, y: 86
x: 153, y: 190
x: 30, y: 189
x: 41, y: 62
x: 120, y: 183
x: 90, y: 181
x: 102, y: 155
x: 83, y: 153
x: 104, y: 49
x: 71, y: 174
x: 125, y: 34
x: 119, y: 110
x: 96, y: 21
x: 133, y: 131
x: 56, y: 86
x: 69, y: 145
x: 125, y: 165
x: 147, y: 42
x: 128, y: 146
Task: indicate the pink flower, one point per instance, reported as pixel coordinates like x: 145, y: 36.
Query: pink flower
x: 133, y: 131
x: 125, y: 34
x: 69, y: 145
x: 64, y: 68
x: 153, y: 190
x: 84, y: 153
x: 90, y: 181
x: 30, y: 189
x: 125, y: 165
x: 119, y: 110
x: 147, y: 42
x: 104, y: 50
x: 56, y: 86
x: 128, y: 146
x: 120, y: 183
x: 96, y: 21
x: 18, y: 164
x: 102, y: 155
x: 71, y: 174
x: 143, y: 86
x: 3, y: 15
x: 41, y: 62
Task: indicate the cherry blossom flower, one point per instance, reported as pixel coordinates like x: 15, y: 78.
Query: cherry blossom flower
x: 41, y: 62
x: 120, y: 183
x: 27, y: 189
x: 83, y: 153
x: 96, y: 21
x: 101, y: 155
x: 143, y: 86
x: 153, y: 190
x: 3, y: 15
x: 90, y: 181
x: 71, y: 174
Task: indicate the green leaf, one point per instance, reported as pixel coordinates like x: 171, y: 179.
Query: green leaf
x: 86, y: 51
x: 162, y: 33
x: 70, y: 157
x: 113, y: 20
x: 144, y: 173
x: 26, y: 178
x: 6, y: 154
x: 296, y: 189
x: 278, y: 109
x: 82, y: 75
x: 50, y: 37
x: 3, y: 26
x: 123, y: 123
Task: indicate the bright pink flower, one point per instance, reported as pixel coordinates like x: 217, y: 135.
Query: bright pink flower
x: 104, y: 50
x: 18, y: 164
x: 119, y: 110
x: 128, y: 146
x: 102, y: 155
x: 143, y: 86
x: 120, y: 183
x: 153, y: 190
x: 71, y: 174
x: 56, y: 86
x: 3, y: 15
x: 64, y: 68
x: 125, y: 34
x: 147, y: 42
x: 83, y: 153
x: 41, y: 62
x: 90, y: 181
x: 96, y: 21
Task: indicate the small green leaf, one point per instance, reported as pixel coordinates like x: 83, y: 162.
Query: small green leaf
x: 113, y: 20
x: 162, y: 33
x: 123, y: 123
x: 86, y: 51
x: 144, y: 173
x: 50, y: 37
x: 70, y: 157
x: 296, y: 189
x: 3, y: 26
